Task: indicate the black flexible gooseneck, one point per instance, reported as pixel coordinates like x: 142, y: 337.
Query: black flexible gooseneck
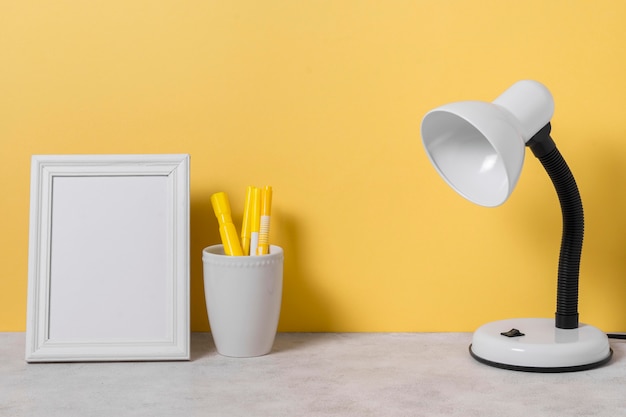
x: 544, y: 148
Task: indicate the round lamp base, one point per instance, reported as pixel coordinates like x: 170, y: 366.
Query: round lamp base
x: 536, y: 345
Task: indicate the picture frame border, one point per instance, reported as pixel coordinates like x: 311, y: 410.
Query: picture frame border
x: 39, y: 346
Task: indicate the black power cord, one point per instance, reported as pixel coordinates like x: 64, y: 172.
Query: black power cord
x: 616, y: 336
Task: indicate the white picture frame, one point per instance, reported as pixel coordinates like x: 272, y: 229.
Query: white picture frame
x: 108, y: 263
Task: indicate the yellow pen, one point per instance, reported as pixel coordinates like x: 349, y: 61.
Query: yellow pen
x: 264, y: 231
x: 228, y: 233
x: 255, y: 220
x: 246, y: 223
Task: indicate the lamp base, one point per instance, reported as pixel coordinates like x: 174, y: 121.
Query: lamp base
x: 538, y: 346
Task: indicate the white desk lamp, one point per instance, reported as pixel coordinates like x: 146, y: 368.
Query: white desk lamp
x: 478, y: 148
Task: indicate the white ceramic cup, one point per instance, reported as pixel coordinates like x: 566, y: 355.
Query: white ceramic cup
x: 243, y: 297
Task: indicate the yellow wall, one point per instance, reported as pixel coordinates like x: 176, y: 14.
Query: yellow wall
x: 323, y: 100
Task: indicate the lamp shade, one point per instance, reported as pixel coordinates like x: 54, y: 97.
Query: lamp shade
x: 478, y: 147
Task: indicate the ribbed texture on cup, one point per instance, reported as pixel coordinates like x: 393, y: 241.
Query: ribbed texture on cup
x: 242, y: 263
x: 215, y: 256
x: 571, y: 240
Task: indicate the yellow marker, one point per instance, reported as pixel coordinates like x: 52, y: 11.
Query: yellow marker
x: 264, y: 231
x: 247, y: 223
x: 228, y: 233
x: 255, y: 220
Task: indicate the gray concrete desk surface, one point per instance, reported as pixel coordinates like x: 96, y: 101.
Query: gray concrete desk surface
x: 310, y: 374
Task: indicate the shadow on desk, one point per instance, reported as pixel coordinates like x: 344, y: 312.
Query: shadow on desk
x: 202, y: 344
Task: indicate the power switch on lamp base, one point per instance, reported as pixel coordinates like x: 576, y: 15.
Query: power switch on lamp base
x: 540, y: 346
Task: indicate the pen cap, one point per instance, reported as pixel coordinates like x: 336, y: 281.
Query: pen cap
x: 266, y: 201
x: 256, y: 210
x: 221, y: 206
